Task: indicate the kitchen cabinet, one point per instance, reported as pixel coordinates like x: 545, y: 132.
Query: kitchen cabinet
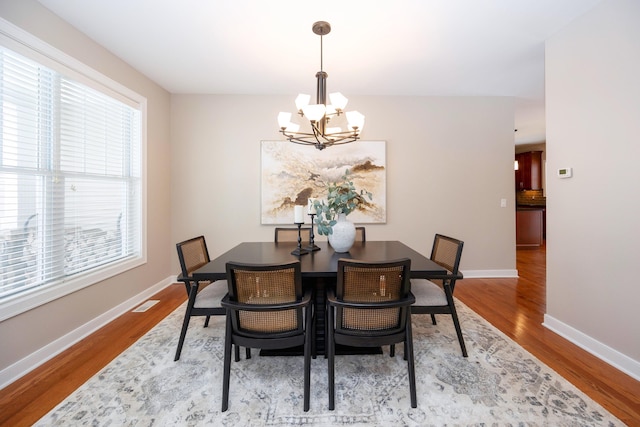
x: 529, y: 227
x: 529, y: 173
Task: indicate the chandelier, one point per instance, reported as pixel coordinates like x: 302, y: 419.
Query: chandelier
x: 319, y: 114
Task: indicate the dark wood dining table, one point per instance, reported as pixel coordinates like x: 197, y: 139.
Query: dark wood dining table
x: 322, y: 263
x: 319, y: 267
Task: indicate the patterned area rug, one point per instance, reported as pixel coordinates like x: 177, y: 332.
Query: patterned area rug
x: 499, y: 384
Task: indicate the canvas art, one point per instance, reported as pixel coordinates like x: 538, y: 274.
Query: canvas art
x: 292, y: 173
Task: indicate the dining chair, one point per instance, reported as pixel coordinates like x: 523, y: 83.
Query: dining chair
x: 267, y: 309
x: 203, y: 297
x: 435, y: 296
x: 290, y: 234
x: 371, y: 307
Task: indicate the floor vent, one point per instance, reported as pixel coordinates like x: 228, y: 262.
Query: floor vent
x: 146, y: 306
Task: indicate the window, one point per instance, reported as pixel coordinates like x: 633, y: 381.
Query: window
x: 71, y: 190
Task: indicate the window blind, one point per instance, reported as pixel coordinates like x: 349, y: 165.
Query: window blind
x: 70, y: 178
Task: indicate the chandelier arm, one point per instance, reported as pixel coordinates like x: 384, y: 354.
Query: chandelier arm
x: 297, y: 134
x: 318, y: 137
x: 347, y: 141
x: 313, y: 141
x: 317, y: 132
x: 315, y: 144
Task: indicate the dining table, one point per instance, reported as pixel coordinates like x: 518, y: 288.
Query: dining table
x: 319, y: 267
x: 322, y: 263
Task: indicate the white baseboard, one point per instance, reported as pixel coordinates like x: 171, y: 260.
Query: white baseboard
x: 486, y: 274
x: 607, y: 354
x: 37, y: 358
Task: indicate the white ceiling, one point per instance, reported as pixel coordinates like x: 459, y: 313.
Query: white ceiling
x: 401, y: 47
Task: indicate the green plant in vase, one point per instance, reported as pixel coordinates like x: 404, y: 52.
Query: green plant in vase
x: 342, y: 198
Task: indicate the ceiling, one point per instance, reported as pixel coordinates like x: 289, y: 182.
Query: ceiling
x: 404, y: 47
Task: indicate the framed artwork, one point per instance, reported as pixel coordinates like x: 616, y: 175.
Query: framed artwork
x: 293, y: 173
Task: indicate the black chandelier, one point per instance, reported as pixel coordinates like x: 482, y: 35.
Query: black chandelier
x: 319, y: 114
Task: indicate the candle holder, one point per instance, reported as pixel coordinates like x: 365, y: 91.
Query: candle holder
x: 299, y: 250
x: 312, y: 246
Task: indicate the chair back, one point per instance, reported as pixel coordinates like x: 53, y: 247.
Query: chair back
x: 447, y: 252
x: 290, y: 234
x: 361, y: 235
x: 371, y: 283
x: 192, y: 254
x: 267, y: 286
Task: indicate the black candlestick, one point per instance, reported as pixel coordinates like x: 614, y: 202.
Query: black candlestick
x: 312, y: 246
x: 299, y: 251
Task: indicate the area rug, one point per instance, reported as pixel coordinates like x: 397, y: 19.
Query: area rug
x: 499, y: 384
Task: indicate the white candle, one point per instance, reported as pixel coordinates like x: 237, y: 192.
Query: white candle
x: 298, y: 214
x: 311, y: 209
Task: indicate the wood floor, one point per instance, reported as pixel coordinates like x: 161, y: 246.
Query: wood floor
x: 515, y: 306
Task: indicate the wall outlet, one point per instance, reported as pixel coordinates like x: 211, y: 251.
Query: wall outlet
x: 503, y: 203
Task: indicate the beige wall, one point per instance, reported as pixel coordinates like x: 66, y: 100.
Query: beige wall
x: 36, y: 334
x: 449, y: 159
x: 593, y: 123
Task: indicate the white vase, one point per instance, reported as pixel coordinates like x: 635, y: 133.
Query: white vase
x: 344, y: 234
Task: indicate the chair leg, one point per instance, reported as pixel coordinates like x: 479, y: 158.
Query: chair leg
x: 456, y: 323
x: 326, y: 331
x: 392, y: 350
x: 237, y: 353
x: 433, y: 319
x: 183, y: 333
x: 308, y: 338
x: 227, y: 365
x: 206, y: 322
x: 411, y: 364
x: 314, y: 345
x: 329, y: 351
x: 187, y: 316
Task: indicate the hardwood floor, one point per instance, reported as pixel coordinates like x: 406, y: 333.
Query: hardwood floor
x: 515, y: 306
x: 25, y: 401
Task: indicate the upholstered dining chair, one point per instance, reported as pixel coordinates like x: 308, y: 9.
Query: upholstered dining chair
x: 267, y: 309
x: 371, y: 307
x: 290, y: 234
x: 203, y: 297
x: 436, y: 296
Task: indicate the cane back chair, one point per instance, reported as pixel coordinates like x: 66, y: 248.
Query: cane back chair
x: 290, y: 234
x: 203, y: 297
x: 266, y: 309
x: 370, y: 308
x: 436, y: 296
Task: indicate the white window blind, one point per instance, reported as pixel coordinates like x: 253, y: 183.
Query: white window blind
x: 70, y: 178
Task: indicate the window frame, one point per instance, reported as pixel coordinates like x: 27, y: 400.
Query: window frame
x: 26, y: 44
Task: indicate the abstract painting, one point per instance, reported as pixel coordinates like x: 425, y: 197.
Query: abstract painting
x: 293, y: 173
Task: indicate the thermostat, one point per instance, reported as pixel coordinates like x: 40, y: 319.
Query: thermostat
x: 565, y: 172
